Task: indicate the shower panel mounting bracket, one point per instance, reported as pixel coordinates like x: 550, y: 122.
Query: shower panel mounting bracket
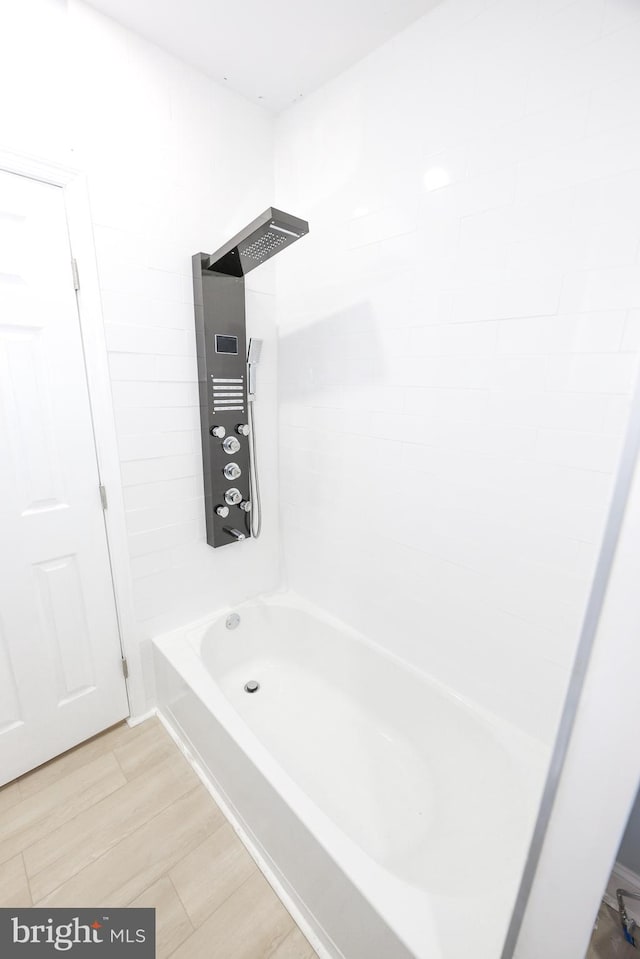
x: 221, y: 344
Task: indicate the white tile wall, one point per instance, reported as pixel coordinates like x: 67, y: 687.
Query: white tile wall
x: 459, y: 335
x: 175, y: 164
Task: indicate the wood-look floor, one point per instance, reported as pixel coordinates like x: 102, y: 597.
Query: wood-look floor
x: 122, y: 820
x: 607, y: 941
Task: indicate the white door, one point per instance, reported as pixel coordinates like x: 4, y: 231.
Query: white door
x: 61, y: 678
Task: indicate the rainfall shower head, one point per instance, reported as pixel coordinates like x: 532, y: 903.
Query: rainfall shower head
x: 262, y: 239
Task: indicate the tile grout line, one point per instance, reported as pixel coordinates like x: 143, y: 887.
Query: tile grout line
x: 26, y: 876
x: 213, y: 912
x: 124, y: 839
x: 75, y: 749
x: 224, y: 823
x: 127, y: 782
x: 186, y: 911
x: 68, y: 822
x: 119, y: 764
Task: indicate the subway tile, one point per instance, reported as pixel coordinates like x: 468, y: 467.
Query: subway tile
x: 177, y: 368
x: 123, y: 338
x: 158, y: 492
x: 162, y: 538
x: 608, y: 289
x: 138, y: 420
x: 631, y: 335
x: 133, y: 366
x: 589, y: 451
x: 596, y: 332
x: 579, y: 411
x: 151, y: 445
x: 126, y: 308
x: 458, y: 339
x: 136, y: 472
x: 528, y: 136
x: 152, y: 394
x: 592, y: 373
x: 174, y: 513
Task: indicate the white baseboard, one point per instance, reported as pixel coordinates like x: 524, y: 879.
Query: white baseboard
x: 136, y: 720
x: 623, y: 878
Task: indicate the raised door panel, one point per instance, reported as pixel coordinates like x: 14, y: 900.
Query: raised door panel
x: 60, y: 660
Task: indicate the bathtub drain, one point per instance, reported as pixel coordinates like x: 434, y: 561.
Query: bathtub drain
x: 252, y: 686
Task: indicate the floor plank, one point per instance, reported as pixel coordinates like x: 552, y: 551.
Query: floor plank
x: 61, y: 854
x: 68, y: 762
x: 172, y: 923
x: 251, y: 924
x: 138, y: 756
x: 295, y: 946
x: 209, y: 874
x: 123, y: 820
x: 9, y: 796
x: 33, y: 818
x: 14, y: 888
x: 607, y: 941
x: 140, y: 860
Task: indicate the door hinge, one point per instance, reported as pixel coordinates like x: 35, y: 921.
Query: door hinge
x: 125, y: 668
x: 103, y: 497
x: 76, y: 275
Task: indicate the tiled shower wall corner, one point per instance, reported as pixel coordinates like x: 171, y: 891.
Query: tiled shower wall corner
x: 175, y: 164
x: 459, y: 337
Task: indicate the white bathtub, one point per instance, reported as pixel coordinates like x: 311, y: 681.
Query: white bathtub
x: 392, y: 816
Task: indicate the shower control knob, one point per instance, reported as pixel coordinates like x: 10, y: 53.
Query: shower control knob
x: 245, y: 505
x: 232, y: 471
x: 242, y: 429
x: 222, y: 511
x: 233, y: 496
x: 217, y: 431
x: 231, y: 445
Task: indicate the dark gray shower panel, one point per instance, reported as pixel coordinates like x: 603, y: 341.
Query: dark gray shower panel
x: 218, y: 282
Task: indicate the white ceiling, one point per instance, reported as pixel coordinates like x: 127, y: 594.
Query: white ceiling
x: 271, y: 51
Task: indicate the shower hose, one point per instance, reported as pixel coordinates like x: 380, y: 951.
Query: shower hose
x: 254, y: 479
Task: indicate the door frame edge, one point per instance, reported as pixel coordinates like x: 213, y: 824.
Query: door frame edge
x: 80, y: 226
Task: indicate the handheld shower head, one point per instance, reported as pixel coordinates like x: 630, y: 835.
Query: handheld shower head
x: 255, y: 349
x: 253, y: 358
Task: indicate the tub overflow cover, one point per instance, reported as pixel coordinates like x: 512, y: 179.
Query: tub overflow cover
x: 252, y: 686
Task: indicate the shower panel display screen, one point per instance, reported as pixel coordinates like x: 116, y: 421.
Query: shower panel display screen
x: 226, y: 344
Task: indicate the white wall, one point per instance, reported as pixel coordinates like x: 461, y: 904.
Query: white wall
x: 175, y: 165
x: 629, y: 852
x: 459, y: 336
x: 599, y: 780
